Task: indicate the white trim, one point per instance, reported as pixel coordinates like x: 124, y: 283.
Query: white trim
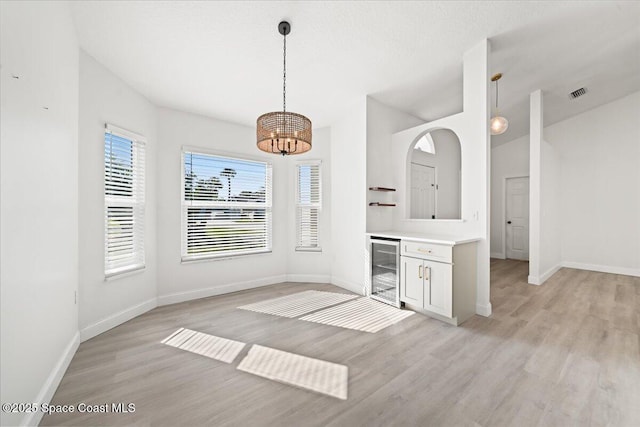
x: 53, y: 381
x: 499, y: 255
x: 226, y: 154
x: 484, y: 309
x: 433, y: 220
x: 127, y: 271
x: 228, y: 256
x: 309, y: 162
x: 305, y: 249
x: 625, y: 271
x: 124, y: 133
x: 185, y: 205
x: 219, y: 290
x: 309, y: 278
x: 117, y: 319
x: 550, y: 272
x: 539, y: 280
x: 136, y: 201
x: 310, y: 205
x: 345, y: 284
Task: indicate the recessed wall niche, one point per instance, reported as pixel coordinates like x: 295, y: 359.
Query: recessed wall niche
x: 433, y: 176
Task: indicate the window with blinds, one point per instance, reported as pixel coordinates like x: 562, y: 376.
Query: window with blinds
x: 226, y: 206
x: 124, y: 170
x: 308, y: 206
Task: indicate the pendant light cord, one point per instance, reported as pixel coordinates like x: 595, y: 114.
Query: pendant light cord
x: 496, y: 96
x: 284, y: 75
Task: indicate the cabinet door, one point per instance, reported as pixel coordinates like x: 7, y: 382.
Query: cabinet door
x: 438, y: 295
x: 412, y: 281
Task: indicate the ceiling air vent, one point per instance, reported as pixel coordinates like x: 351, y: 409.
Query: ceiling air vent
x: 577, y: 93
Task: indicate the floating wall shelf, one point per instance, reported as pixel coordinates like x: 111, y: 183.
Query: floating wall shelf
x: 384, y: 189
x: 381, y: 189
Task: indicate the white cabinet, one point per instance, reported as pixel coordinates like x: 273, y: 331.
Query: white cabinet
x: 439, y: 280
x: 427, y: 285
x: 438, y: 288
x: 412, y: 288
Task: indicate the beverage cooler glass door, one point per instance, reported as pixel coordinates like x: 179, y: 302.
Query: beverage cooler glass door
x: 385, y: 280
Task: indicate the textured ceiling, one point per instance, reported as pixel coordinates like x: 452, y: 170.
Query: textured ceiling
x: 224, y: 59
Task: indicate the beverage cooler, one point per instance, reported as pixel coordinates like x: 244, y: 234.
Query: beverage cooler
x: 385, y: 271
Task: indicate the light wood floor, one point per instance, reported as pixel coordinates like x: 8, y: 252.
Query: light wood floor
x: 564, y: 353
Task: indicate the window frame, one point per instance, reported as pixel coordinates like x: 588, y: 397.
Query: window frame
x: 137, y: 202
x: 268, y: 205
x: 299, y: 206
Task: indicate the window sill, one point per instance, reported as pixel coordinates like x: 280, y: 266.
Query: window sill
x: 123, y: 272
x: 190, y: 260
x: 308, y: 249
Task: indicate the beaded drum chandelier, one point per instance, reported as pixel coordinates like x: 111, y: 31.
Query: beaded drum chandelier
x: 283, y: 132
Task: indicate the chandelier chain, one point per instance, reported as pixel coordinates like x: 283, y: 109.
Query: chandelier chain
x: 284, y: 75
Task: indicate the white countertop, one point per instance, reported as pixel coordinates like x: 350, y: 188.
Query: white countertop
x: 424, y: 237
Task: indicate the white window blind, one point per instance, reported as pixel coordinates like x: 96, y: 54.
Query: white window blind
x: 226, y: 206
x: 308, y: 205
x: 124, y: 176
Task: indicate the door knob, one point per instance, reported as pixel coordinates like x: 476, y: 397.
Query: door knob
x: 508, y: 222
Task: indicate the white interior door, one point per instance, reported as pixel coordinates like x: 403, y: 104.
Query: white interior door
x: 517, y: 218
x: 423, y: 191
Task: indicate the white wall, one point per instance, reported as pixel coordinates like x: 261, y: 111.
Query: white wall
x: 447, y: 162
x: 550, y: 230
x: 39, y: 201
x: 508, y: 160
x: 104, y: 98
x: 179, y: 281
x: 310, y: 266
x: 535, y: 169
x: 348, y: 198
x: 382, y: 122
x: 471, y: 128
x: 544, y: 183
x: 588, y: 190
x: 600, y: 186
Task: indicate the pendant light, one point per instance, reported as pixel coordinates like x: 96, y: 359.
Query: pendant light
x: 498, y: 123
x: 282, y: 132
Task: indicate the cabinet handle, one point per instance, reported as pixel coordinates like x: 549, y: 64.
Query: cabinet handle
x: 427, y: 273
x: 420, y: 272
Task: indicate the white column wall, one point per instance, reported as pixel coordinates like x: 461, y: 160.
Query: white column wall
x: 535, y: 148
x: 471, y: 127
x: 348, y: 198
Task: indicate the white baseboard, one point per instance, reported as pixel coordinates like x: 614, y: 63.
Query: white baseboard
x: 533, y: 280
x: 219, y: 290
x: 309, y: 278
x: 53, y: 381
x: 539, y: 280
x: 499, y: 255
x: 553, y: 270
x: 625, y: 271
x: 345, y: 284
x: 484, y: 309
x: 116, y: 319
